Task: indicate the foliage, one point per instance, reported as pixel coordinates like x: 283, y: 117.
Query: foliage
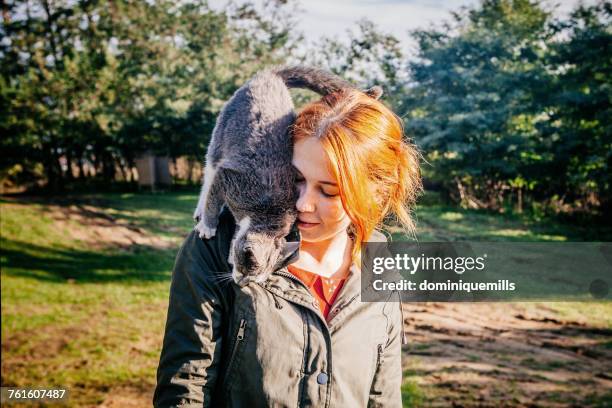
x: 367, y: 57
x: 509, y: 104
x: 507, y: 100
x: 100, y: 82
x: 579, y: 129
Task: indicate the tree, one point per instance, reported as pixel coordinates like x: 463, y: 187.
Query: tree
x: 579, y: 107
x: 471, y: 105
x: 101, y: 82
x: 367, y: 57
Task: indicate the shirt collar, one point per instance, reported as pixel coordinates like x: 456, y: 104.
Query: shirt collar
x: 328, y: 285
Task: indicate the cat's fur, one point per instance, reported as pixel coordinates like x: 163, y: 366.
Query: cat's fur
x: 248, y: 168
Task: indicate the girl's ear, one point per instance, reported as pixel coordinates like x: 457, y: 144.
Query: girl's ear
x: 374, y: 92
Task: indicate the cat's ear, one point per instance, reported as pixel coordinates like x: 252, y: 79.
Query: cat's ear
x: 374, y: 92
x: 233, y: 165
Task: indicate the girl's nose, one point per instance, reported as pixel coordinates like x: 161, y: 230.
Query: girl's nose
x: 305, y: 202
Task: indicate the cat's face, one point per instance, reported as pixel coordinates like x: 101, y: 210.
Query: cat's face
x: 321, y: 214
x: 263, y: 204
x: 256, y: 251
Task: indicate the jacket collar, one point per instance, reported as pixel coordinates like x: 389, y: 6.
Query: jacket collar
x: 280, y: 280
x: 284, y: 281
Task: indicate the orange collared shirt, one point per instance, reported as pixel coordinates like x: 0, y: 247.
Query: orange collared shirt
x: 323, y: 289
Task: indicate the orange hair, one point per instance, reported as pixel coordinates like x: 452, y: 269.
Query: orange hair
x: 378, y: 172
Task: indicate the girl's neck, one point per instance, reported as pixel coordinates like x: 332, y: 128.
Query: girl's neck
x: 328, y: 258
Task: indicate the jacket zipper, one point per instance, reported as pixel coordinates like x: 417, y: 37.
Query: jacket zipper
x: 337, y: 310
x: 292, y: 277
x: 239, y: 338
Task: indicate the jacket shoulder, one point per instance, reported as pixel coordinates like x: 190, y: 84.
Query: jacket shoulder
x: 198, y: 307
x: 210, y: 253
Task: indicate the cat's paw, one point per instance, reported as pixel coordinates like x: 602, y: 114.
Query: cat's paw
x: 205, y: 231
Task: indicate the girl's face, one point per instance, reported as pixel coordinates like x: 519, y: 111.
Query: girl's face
x: 320, y: 212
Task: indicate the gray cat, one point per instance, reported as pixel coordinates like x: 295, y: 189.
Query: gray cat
x: 248, y: 168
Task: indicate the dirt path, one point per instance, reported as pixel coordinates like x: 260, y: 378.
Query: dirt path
x: 494, y: 354
x: 93, y: 226
x: 490, y: 355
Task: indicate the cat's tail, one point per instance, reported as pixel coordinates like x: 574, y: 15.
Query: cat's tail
x: 318, y: 80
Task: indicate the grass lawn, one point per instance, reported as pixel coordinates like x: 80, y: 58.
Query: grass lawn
x: 85, y: 284
x: 81, y: 313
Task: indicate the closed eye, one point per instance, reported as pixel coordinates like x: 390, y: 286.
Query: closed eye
x: 328, y: 195
x: 299, y: 179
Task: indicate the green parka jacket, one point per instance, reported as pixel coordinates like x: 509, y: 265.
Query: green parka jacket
x: 268, y: 345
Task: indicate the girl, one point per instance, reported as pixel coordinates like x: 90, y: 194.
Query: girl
x: 303, y: 337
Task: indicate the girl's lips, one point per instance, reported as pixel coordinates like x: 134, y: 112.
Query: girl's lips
x: 302, y: 224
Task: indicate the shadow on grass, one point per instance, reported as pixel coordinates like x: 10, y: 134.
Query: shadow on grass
x: 439, y: 221
x: 141, y: 263
x: 168, y: 213
x: 162, y: 213
x: 444, y: 223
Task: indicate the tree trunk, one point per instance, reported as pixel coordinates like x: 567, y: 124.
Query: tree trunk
x: 190, y: 164
x: 467, y: 199
x: 81, y: 169
x: 69, y: 175
x: 119, y: 163
x: 108, y: 168
x: 53, y: 168
x: 175, y: 165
